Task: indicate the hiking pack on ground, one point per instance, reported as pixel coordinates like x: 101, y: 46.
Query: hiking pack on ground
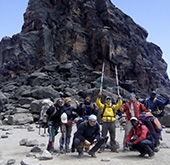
x: 152, y: 124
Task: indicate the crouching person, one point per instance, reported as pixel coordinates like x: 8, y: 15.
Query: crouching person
x: 140, y: 139
x: 88, y: 133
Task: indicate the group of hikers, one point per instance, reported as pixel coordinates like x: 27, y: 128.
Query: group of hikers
x: 142, y: 129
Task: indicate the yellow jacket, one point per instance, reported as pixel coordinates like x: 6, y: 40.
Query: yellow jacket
x: 109, y: 112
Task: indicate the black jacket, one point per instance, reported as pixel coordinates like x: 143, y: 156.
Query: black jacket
x: 54, y: 114
x: 87, y: 110
x: 87, y: 132
x: 70, y: 111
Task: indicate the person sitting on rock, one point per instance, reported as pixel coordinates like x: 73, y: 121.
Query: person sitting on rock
x: 87, y: 134
x: 54, y: 122
x: 140, y: 139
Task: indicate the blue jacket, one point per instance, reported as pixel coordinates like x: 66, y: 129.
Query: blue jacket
x: 153, y: 103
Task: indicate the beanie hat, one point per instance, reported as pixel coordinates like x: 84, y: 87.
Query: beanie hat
x: 92, y: 117
x: 132, y: 95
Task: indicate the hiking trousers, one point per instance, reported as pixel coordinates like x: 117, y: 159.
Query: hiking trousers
x: 53, y: 130
x: 128, y: 127
x: 109, y: 126
x: 79, y: 145
x: 144, y: 146
x: 66, y: 135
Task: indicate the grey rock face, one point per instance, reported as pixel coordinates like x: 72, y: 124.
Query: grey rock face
x: 3, y: 100
x: 60, y: 51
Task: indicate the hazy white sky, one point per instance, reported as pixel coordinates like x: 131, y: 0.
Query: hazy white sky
x: 153, y: 15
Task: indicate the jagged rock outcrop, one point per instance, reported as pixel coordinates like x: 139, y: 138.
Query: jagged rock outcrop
x: 62, y: 46
x: 90, y: 31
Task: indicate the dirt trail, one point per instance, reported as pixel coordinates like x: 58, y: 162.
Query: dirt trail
x: 10, y: 149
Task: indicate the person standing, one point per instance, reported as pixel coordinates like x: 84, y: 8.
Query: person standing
x: 108, y: 111
x: 132, y: 108
x: 140, y: 139
x: 85, y: 109
x: 54, y: 122
x: 87, y: 134
x: 155, y: 105
x: 71, y: 113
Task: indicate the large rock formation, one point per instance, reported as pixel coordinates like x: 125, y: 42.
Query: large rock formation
x: 62, y: 46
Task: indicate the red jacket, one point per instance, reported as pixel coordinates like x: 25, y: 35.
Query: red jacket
x: 138, y: 108
x: 140, y: 132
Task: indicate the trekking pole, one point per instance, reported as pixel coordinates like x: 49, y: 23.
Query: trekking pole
x: 117, y: 80
x: 39, y: 129
x: 101, y: 83
x: 63, y: 127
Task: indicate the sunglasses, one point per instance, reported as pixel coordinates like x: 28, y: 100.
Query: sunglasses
x: 93, y: 121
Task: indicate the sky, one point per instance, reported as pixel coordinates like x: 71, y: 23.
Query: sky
x: 153, y: 15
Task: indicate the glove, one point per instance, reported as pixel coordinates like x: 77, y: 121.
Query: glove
x: 129, y: 144
x: 69, y: 122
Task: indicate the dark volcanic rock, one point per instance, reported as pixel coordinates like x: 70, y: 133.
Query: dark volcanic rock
x: 62, y: 46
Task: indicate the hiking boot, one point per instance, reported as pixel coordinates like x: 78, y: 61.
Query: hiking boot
x: 80, y: 154
x: 151, y: 154
x: 92, y: 154
x: 114, y: 150
x: 101, y: 150
x: 142, y: 154
x: 86, y: 150
x: 125, y: 149
x: 51, y: 149
x: 73, y: 149
x: 149, y: 151
x: 61, y: 151
x: 68, y: 150
x: 156, y: 149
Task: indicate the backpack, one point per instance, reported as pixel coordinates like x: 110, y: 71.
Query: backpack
x: 153, y: 124
x: 43, y: 115
x: 44, y: 118
x: 105, y: 108
x: 159, y: 108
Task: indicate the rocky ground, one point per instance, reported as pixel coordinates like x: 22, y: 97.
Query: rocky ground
x: 11, y: 150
